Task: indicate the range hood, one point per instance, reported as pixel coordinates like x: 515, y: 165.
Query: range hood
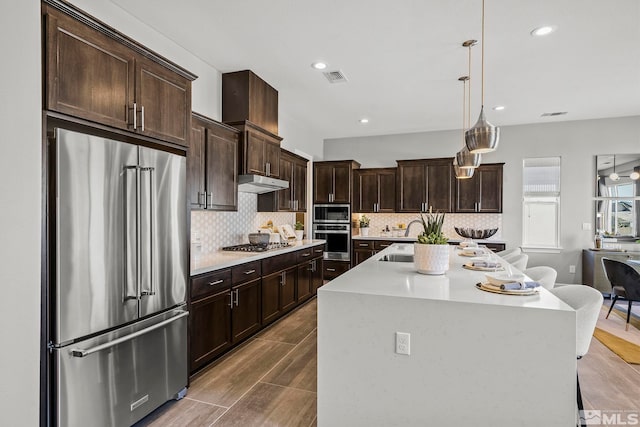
x: 260, y: 184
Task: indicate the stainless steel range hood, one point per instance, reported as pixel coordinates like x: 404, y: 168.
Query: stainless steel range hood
x: 260, y: 184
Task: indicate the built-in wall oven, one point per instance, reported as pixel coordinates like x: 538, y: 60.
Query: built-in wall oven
x: 333, y: 224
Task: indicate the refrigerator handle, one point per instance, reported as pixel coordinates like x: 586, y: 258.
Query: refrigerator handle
x: 127, y: 238
x: 152, y: 234
x: 78, y: 352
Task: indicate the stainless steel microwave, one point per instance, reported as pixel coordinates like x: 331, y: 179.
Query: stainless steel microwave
x: 332, y: 214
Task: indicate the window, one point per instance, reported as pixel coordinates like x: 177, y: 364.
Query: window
x: 541, y: 203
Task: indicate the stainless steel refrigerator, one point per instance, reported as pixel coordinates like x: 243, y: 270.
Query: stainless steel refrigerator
x: 118, y: 318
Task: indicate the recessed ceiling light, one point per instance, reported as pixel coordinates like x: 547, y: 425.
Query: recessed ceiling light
x: 543, y: 31
x: 498, y: 107
x: 364, y: 120
x: 319, y: 65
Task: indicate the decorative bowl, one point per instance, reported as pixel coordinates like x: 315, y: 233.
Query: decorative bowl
x: 474, y: 233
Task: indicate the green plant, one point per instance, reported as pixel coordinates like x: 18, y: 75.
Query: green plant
x: 299, y: 226
x: 364, y: 221
x: 432, y: 234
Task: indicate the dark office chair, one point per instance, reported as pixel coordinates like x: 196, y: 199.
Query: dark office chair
x: 625, y: 283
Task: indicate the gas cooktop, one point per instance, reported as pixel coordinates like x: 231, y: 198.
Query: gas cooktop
x: 248, y: 247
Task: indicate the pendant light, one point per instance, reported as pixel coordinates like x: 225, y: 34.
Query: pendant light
x: 460, y: 172
x: 465, y: 159
x: 483, y: 137
x: 614, y: 176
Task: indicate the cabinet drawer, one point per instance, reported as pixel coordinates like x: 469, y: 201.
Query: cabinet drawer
x: 305, y: 255
x: 279, y: 262
x: 381, y: 244
x: 332, y: 269
x: 210, y: 283
x: 318, y: 251
x: 362, y: 244
x: 246, y: 272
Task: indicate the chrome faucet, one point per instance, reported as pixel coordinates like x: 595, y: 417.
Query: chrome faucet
x: 418, y: 221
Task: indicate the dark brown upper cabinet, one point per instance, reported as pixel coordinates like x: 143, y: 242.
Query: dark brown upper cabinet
x: 259, y: 150
x: 212, y: 165
x: 374, y: 190
x: 293, y: 168
x: 245, y: 96
x: 425, y: 184
x: 481, y: 193
x: 332, y: 181
x: 94, y: 72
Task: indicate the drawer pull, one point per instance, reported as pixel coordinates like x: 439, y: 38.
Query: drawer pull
x: 249, y: 272
x: 384, y: 246
x: 331, y: 269
x: 319, y: 251
x: 307, y: 254
x: 363, y: 244
x: 217, y: 282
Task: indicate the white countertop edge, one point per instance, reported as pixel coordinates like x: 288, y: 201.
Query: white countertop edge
x: 414, y: 239
x: 224, y: 259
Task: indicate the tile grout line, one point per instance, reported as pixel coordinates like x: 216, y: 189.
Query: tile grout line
x: 288, y: 386
x: 206, y: 403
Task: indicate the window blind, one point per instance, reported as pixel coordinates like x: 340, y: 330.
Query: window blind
x: 541, y: 177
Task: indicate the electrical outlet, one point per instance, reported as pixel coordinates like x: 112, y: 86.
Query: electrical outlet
x: 572, y: 269
x: 403, y: 343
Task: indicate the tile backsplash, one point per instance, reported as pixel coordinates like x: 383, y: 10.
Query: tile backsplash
x: 213, y: 230
x: 480, y: 221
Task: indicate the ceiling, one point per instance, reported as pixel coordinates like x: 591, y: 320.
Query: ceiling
x: 403, y: 59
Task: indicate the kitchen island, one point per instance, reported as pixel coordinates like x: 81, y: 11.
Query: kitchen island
x: 476, y: 358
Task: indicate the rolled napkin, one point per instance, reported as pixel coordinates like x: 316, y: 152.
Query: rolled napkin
x: 473, y: 251
x: 485, y: 264
x: 519, y: 286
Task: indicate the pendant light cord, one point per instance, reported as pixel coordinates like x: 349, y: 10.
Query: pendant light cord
x: 482, y: 84
x: 468, y: 124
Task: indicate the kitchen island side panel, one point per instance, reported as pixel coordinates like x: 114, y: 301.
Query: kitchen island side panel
x: 470, y: 364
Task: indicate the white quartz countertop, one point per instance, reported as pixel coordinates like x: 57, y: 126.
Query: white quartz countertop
x: 400, y: 279
x: 207, y: 262
x: 413, y: 239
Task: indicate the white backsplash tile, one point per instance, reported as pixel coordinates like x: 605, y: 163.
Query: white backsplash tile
x: 213, y: 230
x: 480, y: 221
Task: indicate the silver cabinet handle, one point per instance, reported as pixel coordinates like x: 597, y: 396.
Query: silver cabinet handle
x: 306, y: 255
x: 135, y: 116
x: 249, y: 272
x: 331, y: 269
x: 217, y: 282
x: 200, y: 198
x: 78, y: 352
x: 318, y: 251
x: 384, y: 246
x: 230, y: 299
x: 237, y: 297
x: 363, y: 244
x: 268, y: 169
x: 142, y: 111
x: 207, y: 197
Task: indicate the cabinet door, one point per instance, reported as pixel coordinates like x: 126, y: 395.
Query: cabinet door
x: 440, y: 186
x: 387, y: 191
x: 88, y: 74
x: 300, y: 186
x: 288, y: 289
x: 245, y: 315
x: 342, y: 184
x: 365, y: 191
x: 222, y: 168
x: 272, y: 157
x: 166, y: 99
x: 284, y: 197
x: 196, y: 166
x: 210, y: 328
x: 362, y: 254
x: 411, y: 183
x: 466, y: 194
x: 254, y: 161
x: 316, y: 274
x: 271, y: 297
x: 304, y: 283
x: 490, y: 188
x: 322, y: 183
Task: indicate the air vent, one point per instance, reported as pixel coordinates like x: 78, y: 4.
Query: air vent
x: 335, y: 76
x: 555, y: 113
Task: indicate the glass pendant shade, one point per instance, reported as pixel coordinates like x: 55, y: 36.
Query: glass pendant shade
x: 462, y: 173
x: 483, y: 136
x: 467, y: 160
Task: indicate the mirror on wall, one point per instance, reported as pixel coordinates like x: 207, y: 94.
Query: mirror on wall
x: 617, y: 193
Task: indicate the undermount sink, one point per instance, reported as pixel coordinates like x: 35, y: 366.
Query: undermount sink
x: 397, y: 258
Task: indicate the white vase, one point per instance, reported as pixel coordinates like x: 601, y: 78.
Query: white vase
x: 299, y: 234
x: 364, y: 231
x: 431, y: 259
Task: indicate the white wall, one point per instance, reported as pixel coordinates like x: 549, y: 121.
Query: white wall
x: 20, y: 190
x: 577, y: 142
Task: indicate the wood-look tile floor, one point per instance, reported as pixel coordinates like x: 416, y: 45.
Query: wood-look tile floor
x: 271, y: 381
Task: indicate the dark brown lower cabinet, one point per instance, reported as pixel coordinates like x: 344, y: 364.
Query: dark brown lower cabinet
x: 278, y: 294
x: 332, y: 268
x: 316, y: 274
x: 210, y: 328
x: 245, y: 314
x: 304, y: 281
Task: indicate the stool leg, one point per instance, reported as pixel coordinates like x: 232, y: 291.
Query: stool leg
x: 613, y: 302
x: 628, y: 315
